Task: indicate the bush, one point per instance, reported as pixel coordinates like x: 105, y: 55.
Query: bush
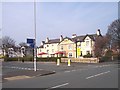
x: 87, y: 56
x: 29, y: 58
x: 18, y: 58
x: 1, y: 56
x: 48, y: 59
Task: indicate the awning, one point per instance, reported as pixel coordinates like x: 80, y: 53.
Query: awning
x: 42, y: 53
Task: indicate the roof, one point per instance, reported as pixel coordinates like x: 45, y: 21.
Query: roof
x: 41, y: 46
x: 81, y: 38
x: 77, y: 38
x: 53, y: 41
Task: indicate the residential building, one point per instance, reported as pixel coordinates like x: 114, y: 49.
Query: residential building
x: 49, y: 47
x: 76, y: 46
x: 68, y: 47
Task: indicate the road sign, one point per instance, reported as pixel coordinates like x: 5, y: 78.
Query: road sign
x: 30, y: 41
x: 32, y: 45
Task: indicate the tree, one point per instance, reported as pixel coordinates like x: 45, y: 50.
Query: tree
x: 23, y: 44
x: 114, y: 35
x: 7, y: 42
x: 100, y: 45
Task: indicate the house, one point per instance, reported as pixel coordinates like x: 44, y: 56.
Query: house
x: 49, y: 47
x: 68, y: 47
x: 76, y: 46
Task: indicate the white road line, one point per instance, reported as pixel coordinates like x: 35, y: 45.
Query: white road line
x: 97, y: 75
x: 73, y: 70
x: 67, y: 71
x: 60, y: 85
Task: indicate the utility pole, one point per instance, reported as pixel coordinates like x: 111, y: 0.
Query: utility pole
x: 35, y: 64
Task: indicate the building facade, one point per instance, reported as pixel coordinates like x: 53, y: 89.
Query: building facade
x: 76, y: 46
x: 49, y: 47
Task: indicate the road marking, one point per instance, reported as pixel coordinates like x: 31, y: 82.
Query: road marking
x: 60, y: 85
x: 97, y: 75
x: 67, y: 71
x: 73, y: 70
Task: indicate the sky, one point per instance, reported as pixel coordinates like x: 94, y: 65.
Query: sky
x: 56, y: 18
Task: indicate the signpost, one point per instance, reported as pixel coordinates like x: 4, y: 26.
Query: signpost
x: 35, y: 51
x: 32, y: 42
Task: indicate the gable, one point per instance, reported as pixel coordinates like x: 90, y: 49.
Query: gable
x: 87, y: 38
x: 66, y: 41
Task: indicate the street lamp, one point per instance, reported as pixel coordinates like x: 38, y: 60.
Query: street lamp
x: 35, y: 65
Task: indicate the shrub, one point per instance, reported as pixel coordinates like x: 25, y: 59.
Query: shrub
x: 87, y: 56
x: 18, y: 58
x: 1, y: 56
x: 48, y: 59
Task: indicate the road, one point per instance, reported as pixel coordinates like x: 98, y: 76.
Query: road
x: 102, y: 75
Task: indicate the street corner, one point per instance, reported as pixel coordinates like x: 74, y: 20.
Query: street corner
x: 43, y: 73
x: 24, y: 74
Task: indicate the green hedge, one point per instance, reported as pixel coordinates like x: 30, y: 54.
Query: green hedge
x: 87, y: 56
x: 18, y: 58
x: 48, y: 59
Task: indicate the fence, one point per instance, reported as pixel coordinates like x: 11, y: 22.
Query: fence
x: 81, y: 60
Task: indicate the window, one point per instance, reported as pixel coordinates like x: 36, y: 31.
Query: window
x: 79, y: 45
x: 88, y: 52
x: 52, y: 50
x: 47, y: 45
x: 87, y: 43
x: 61, y: 47
x: 70, y: 55
x: 47, y: 51
x: 69, y: 46
x: 81, y: 53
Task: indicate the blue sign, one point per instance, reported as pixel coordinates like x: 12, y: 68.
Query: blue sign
x: 30, y: 41
x: 32, y: 45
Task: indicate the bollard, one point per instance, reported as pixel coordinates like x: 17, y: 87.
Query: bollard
x: 58, y: 62
x: 69, y: 61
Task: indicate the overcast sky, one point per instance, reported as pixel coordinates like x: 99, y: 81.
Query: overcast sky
x: 56, y: 18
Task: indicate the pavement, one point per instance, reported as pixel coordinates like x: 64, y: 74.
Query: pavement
x: 23, y: 74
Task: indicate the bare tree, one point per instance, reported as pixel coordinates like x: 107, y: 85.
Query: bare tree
x: 100, y: 45
x: 23, y: 44
x: 7, y: 42
x: 114, y: 34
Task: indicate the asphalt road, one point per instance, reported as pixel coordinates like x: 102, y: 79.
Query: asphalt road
x: 103, y: 75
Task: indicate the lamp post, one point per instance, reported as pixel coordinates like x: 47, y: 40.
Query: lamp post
x: 35, y: 65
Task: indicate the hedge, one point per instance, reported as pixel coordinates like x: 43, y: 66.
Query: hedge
x: 48, y: 59
x: 18, y: 58
x: 87, y: 56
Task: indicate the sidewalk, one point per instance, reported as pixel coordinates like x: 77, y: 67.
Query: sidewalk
x: 23, y: 74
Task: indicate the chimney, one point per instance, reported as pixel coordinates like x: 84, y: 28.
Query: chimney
x: 98, y: 32
x: 42, y: 43
x: 61, y: 38
x: 47, y: 39
x: 74, y: 35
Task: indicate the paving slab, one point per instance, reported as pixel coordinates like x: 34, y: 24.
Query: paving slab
x: 25, y: 74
